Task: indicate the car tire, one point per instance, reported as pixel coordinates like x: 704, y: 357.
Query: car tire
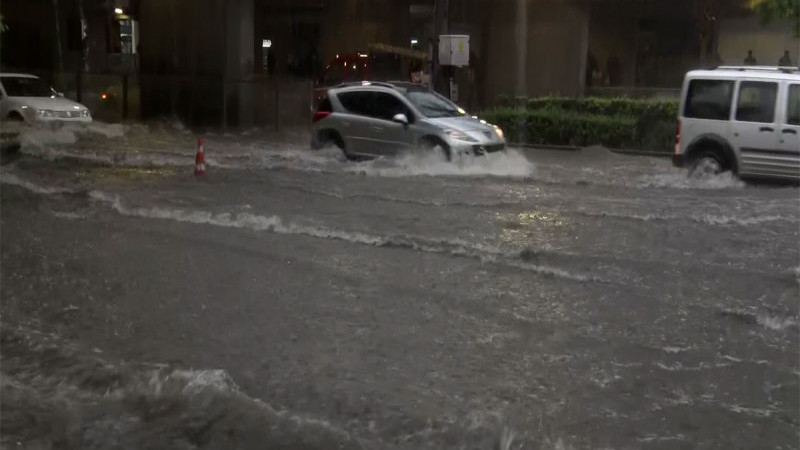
x: 327, y: 138
x: 707, y: 163
x: 432, y: 144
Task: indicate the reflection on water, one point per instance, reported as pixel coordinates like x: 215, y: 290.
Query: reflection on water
x: 530, y: 227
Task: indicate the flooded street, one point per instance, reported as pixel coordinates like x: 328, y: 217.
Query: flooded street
x: 536, y: 299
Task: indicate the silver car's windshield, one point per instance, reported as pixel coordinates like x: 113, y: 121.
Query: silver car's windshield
x: 431, y: 105
x: 26, y: 87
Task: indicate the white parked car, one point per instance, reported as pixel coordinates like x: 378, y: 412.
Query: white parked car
x: 28, y: 98
x: 745, y: 120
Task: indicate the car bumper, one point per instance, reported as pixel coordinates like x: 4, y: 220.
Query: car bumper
x: 478, y: 149
x: 678, y: 160
x: 62, y: 120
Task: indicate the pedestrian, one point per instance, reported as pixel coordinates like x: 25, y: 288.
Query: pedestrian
x: 786, y: 60
x: 750, y: 60
x: 591, y: 68
x: 614, y: 69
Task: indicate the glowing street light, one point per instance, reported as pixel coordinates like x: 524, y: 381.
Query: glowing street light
x: 118, y: 10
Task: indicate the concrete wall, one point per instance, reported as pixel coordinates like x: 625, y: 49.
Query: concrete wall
x: 738, y: 35
x: 194, y: 56
x: 612, y: 32
x: 557, y: 36
x: 350, y: 25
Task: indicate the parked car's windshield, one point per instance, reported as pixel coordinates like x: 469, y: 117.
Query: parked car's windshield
x: 430, y: 104
x: 27, y: 87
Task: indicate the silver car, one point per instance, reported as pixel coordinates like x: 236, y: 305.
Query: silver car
x: 376, y: 119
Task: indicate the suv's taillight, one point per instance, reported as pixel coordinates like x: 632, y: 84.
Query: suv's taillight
x: 319, y: 115
x: 678, y: 138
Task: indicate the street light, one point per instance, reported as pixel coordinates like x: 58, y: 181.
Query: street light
x: 414, y: 42
x: 118, y: 10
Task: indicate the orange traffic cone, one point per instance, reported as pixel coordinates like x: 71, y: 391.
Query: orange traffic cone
x: 200, y: 160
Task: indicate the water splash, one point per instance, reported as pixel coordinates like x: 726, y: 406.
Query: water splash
x: 776, y: 323
x: 454, y: 247
x: 680, y: 180
x: 56, y: 391
x: 510, y: 163
x: 706, y: 219
x: 14, y: 180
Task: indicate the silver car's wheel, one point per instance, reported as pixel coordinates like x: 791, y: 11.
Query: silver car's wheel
x: 438, y: 148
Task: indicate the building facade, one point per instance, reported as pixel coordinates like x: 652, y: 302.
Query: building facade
x: 240, y: 62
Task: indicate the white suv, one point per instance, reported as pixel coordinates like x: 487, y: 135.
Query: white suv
x: 740, y: 119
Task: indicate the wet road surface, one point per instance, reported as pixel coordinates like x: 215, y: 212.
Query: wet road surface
x: 534, y: 299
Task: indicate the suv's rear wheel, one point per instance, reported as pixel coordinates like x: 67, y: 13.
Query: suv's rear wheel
x: 707, y: 163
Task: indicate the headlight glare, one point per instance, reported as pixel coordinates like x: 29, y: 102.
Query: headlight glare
x: 460, y: 136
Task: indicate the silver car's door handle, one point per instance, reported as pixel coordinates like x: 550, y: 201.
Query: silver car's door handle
x: 377, y: 128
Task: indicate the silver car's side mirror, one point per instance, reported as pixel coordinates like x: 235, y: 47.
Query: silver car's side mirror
x: 400, y: 118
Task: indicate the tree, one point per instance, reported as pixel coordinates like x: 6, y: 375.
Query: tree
x: 769, y: 10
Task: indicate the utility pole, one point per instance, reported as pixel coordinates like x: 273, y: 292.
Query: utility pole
x: 522, y: 47
x: 441, y: 26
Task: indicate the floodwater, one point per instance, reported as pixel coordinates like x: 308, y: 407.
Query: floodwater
x: 291, y: 299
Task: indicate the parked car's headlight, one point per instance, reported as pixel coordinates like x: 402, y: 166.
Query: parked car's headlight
x: 85, y: 113
x: 460, y: 135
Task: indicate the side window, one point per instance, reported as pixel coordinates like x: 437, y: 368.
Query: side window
x: 793, y: 105
x: 756, y: 102
x: 709, y: 99
x: 387, y: 106
x: 357, y: 102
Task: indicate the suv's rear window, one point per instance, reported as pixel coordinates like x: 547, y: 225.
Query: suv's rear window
x: 709, y: 99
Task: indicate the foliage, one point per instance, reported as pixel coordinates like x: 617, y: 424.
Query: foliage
x: 554, y: 127
x: 643, y: 109
x: 613, y: 122
x: 769, y: 10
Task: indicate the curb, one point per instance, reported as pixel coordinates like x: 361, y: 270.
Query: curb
x: 623, y: 151
x: 572, y: 148
x: 568, y: 148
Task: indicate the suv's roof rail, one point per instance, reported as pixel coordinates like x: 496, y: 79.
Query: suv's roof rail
x: 784, y: 69
x: 365, y: 83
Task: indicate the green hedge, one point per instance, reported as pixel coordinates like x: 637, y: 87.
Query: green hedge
x: 651, y: 109
x: 563, y: 127
x: 646, y: 124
